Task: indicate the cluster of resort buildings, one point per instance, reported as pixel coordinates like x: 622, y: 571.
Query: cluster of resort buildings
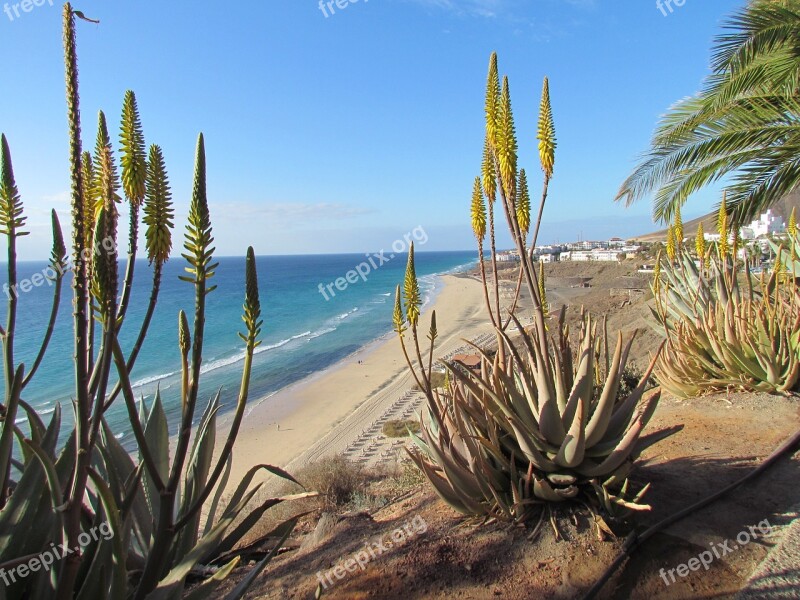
x: 616, y: 249
x: 768, y: 224
x: 611, y: 250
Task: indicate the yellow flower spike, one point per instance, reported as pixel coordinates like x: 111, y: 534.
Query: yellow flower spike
x: 184, y: 334
x: 671, y: 250
x: 132, y: 152
x: 398, y: 319
x: 478, y: 211
x: 657, y: 275
x: 543, y: 290
x: 158, y: 212
x: 433, y: 332
x: 488, y: 173
x: 523, y: 203
x: 722, y: 226
x: 411, y: 290
x: 700, y: 243
x: 87, y: 165
x: 492, y: 101
x: 506, y: 149
x: 547, y: 132
x: 678, y: 229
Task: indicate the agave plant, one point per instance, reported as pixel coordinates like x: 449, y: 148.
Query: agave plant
x: 533, y: 428
x: 167, y: 525
x: 726, y: 329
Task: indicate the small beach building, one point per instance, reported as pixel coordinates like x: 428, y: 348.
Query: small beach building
x: 470, y: 361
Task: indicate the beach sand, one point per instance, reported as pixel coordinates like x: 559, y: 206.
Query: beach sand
x: 341, y: 410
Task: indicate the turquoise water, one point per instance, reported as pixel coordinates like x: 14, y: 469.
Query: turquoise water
x: 303, y: 331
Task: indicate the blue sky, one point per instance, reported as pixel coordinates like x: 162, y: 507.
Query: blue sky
x: 342, y: 133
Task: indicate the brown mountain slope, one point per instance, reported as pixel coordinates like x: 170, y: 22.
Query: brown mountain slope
x: 782, y: 208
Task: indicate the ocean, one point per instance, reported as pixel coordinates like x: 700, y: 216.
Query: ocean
x: 309, y: 325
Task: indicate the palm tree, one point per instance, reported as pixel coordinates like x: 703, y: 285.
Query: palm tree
x: 745, y: 123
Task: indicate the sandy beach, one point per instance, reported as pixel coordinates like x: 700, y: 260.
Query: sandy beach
x: 341, y: 410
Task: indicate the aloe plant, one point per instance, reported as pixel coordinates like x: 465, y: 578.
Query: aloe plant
x: 727, y: 329
x: 532, y: 428
x: 787, y: 261
x: 534, y: 431
x: 56, y: 488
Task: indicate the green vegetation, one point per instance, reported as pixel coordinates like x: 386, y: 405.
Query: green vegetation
x: 743, y: 124
x: 400, y: 429
x: 535, y: 430
x: 725, y: 328
x: 56, y: 488
x: 337, y: 480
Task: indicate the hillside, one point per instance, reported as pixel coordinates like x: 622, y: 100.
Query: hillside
x: 439, y: 555
x: 782, y: 208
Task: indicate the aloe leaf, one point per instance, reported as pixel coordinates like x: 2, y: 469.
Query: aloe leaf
x: 626, y: 447
x: 173, y: 582
x: 241, y: 489
x: 447, y: 493
x: 596, y: 428
x: 49, y: 467
x: 622, y: 416
x: 542, y: 489
x: 532, y: 453
x: 572, y: 451
x: 284, y: 530
x: 27, y: 521
x: 582, y: 388
x: 13, y: 389
x: 35, y: 423
x: 119, y: 574
x: 156, y: 437
x: 119, y: 461
x: 198, y: 467
x: 209, y: 586
x: 550, y: 420
x: 88, y: 584
x: 248, y: 523
x: 223, y: 483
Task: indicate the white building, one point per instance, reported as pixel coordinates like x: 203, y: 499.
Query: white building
x: 509, y: 256
x: 548, y: 254
x: 597, y: 254
x: 587, y: 245
x: 767, y: 224
x: 630, y: 251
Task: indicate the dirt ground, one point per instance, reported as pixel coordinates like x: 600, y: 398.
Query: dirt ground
x: 723, y: 437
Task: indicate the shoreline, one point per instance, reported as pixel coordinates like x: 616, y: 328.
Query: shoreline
x: 326, y: 412
x: 356, y: 355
